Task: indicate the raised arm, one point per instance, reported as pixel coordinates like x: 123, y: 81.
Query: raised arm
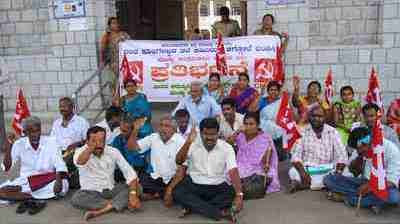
x: 184, y: 151
x: 82, y: 158
x: 296, y: 92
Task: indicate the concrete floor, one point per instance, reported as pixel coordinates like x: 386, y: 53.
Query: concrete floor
x: 301, y: 208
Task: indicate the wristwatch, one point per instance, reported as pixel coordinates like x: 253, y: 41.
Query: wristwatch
x: 240, y: 194
x: 133, y: 192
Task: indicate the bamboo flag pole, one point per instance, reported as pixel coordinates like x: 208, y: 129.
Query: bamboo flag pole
x: 358, y: 205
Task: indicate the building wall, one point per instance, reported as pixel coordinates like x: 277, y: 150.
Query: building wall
x: 348, y: 36
x: 44, y: 57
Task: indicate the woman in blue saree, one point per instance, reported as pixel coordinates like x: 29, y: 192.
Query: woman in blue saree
x: 269, y: 107
x: 245, y: 96
x: 137, y: 106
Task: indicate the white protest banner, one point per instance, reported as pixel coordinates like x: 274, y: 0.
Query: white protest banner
x: 164, y: 69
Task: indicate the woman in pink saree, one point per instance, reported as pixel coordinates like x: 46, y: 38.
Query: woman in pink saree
x: 256, y: 154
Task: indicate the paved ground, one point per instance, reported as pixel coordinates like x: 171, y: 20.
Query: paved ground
x: 280, y: 208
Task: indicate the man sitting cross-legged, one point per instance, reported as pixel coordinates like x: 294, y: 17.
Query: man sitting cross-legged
x: 348, y: 189
x: 43, y: 172
x: 164, y: 146
x: 96, y: 163
x: 205, y: 189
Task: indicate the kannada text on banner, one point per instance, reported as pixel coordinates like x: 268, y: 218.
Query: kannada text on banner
x: 164, y: 69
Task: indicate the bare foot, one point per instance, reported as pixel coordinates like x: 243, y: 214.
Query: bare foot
x: 89, y: 215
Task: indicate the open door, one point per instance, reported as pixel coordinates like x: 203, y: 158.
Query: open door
x: 170, y: 22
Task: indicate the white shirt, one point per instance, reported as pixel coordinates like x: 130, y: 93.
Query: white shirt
x: 98, y: 172
x: 210, y: 167
x: 46, y: 158
x: 225, y: 129
x: 110, y: 135
x: 162, y: 155
x: 186, y: 133
x: 74, y: 132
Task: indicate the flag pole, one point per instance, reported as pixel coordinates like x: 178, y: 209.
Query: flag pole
x: 358, y: 205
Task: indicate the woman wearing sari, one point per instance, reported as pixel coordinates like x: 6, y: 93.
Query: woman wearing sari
x: 269, y: 107
x: 305, y: 103
x: 245, y: 96
x: 257, y: 159
x: 346, y: 112
x: 109, y: 47
x: 393, y: 116
x: 214, y: 87
x: 137, y: 106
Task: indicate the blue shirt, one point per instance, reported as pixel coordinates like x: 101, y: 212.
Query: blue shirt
x: 205, y: 108
x: 134, y: 158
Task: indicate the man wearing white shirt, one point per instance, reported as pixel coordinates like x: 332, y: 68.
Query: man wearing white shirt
x: 96, y: 163
x: 205, y: 189
x: 164, y: 146
x: 230, y: 121
x: 37, y: 156
x: 70, y: 133
x: 111, y: 123
x: 182, y: 118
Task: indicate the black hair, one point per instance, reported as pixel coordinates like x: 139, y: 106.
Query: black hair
x: 254, y: 115
x: 209, y: 123
x: 224, y: 11
x: 113, y: 112
x: 129, y: 81
x: 315, y: 83
x: 274, y: 83
x: 269, y: 15
x: 182, y: 113
x: 344, y: 88
x: 244, y: 74
x: 197, y: 30
x: 357, y: 134
x: 370, y: 106
x: 228, y: 101
x: 94, y: 130
x: 111, y: 19
x: 216, y: 75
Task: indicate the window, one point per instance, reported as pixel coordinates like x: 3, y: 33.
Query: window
x: 204, y: 10
x: 216, y: 9
x: 236, y: 10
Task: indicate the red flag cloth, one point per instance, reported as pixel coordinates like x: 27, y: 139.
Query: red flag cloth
x: 285, y: 120
x: 21, y: 112
x: 37, y: 182
x: 125, y: 73
x: 377, y: 180
x: 222, y: 66
x: 279, y: 69
x: 329, y: 87
x: 374, y: 92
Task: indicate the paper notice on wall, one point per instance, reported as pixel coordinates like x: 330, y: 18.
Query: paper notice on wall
x: 77, y: 24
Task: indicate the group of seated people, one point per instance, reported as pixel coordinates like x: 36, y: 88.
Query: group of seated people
x: 215, y: 150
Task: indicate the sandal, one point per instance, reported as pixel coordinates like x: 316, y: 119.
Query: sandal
x: 36, y: 207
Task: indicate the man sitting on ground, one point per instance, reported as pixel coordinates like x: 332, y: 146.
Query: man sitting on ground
x: 205, y: 189
x: 348, y: 189
x: 182, y: 118
x: 111, y: 123
x: 96, y: 162
x: 42, y: 173
x: 318, y: 152
x: 229, y: 121
x: 164, y: 146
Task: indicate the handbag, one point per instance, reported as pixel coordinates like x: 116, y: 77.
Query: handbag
x: 254, y: 186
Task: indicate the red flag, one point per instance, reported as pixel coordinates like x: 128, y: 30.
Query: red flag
x: 374, y: 92
x: 279, y: 70
x: 377, y: 180
x: 329, y: 87
x: 222, y: 67
x: 285, y: 120
x: 21, y: 112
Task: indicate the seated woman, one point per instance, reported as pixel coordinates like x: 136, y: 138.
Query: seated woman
x: 214, y: 87
x: 245, y: 96
x: 269, y: 107
x: 304, y: 103
x: 346, y: 112
x: 137, y: 106
x: 393, y: 116
x: 257, y: 159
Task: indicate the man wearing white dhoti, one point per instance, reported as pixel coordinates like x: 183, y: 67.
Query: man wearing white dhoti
x: 42, y: 174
